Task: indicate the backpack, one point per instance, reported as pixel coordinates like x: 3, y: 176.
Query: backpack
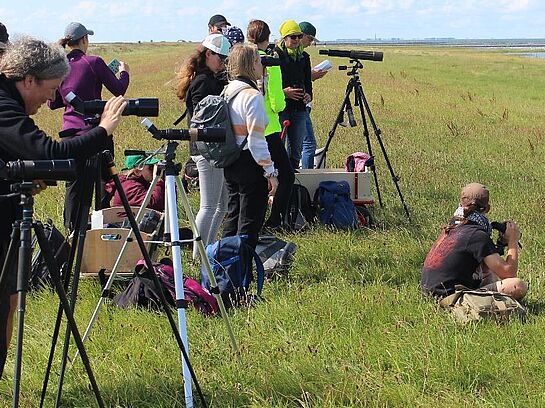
x: 39, y: 273
x: 194, y: 293
x: 474, y: 305
x: 276, y: 254
x: 232, y: 261
x: 301, y: 211
x: 335, y: 205
x: 140, y: 292
x: 191, y: 175
x: 357, y: 162
x: 213, y: 111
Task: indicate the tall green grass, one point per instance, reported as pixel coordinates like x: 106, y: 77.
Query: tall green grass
x: 347, y: 326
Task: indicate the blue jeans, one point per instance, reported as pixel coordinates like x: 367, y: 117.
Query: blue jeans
x: 309, y: 144
x: 295, y: 134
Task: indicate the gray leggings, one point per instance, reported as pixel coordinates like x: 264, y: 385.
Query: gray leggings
x: 213, y: 204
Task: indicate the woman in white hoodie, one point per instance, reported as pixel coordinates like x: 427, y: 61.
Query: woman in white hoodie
x: 252, y: 178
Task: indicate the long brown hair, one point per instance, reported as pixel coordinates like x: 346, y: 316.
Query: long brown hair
x: 241, y: 62
x: 196, y: 63
x: 63, y: 42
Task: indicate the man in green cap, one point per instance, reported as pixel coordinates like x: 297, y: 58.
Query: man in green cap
x: 136, y: 183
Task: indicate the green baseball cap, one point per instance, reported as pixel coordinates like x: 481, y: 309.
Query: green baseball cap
x: 133, y: 161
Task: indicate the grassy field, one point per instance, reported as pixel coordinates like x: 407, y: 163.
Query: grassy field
x: 347, y: 327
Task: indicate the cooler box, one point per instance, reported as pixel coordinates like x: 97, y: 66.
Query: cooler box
x: 360, y: 183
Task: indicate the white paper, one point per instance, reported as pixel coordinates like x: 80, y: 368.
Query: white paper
x: 323, y: 66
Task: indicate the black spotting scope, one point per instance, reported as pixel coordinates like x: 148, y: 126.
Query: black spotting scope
x: 135, y: 107
x: 210, y: 134
x: 355, y: 55
x: 29, y: 170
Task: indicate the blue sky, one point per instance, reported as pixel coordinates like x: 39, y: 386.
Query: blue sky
x: 170, y: 20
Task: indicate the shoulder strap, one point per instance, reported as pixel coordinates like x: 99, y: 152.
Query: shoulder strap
x: 260, y: 272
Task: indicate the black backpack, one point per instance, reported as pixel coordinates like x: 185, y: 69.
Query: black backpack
x: 301, y: 211
x: 39, y: 273
x: 140, y: 292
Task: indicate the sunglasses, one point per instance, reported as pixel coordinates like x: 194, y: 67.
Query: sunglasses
x: 296, y: 37
x: 221, y: 56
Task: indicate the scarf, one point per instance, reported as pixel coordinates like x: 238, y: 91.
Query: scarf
x: 476, y: 217
x: 294, y: 53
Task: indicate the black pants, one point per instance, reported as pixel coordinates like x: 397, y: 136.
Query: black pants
x: 9, y: 288
x: 248, y: 193
x: 286, y: 178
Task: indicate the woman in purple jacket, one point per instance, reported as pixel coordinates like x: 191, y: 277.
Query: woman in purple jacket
x: 88, y: 73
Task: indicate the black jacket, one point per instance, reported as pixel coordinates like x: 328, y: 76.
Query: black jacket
x: 20, y: 138
x: 297, y: 74
x: 204, y: 84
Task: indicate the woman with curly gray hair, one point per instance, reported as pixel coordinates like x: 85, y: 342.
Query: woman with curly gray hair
x: 30, y: 73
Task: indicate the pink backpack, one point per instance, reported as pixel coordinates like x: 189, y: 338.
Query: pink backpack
x: 357, y: 161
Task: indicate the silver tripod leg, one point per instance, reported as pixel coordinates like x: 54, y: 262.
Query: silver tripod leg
x: 206, y: 262
x: 178, y: 279
x: 113, y: 274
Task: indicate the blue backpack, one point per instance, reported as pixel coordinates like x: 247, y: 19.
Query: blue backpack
x: 232, y: 261
x: 336, y: 206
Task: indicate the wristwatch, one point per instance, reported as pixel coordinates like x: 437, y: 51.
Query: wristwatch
x: 273, y: 174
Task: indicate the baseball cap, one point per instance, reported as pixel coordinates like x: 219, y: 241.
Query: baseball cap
x: 474, y: 194
x: 218, y: 19
x: 308, y: 29
x: 234, y: 35
x: 75, y: 31
x: 217, y: 43
x: 135, y: 160
x: 4, y: 36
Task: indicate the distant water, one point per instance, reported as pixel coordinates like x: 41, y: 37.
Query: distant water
x: 533, y: 54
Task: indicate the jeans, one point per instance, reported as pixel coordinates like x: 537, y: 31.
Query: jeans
x: 295, y: 134
x: 286, y: 178
x: 248, y: 194
x: 309, y: 144
x: 213, y: 204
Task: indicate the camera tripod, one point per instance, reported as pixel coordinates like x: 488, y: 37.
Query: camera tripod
x: 22, y: 234
x: 354, y: 85
x: 77, y: 253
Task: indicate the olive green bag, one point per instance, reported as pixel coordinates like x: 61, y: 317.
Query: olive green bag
x: 473, y: 305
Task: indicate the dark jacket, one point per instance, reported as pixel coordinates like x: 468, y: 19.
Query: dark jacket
x: 204, y: 84
x: 295, y: 74
x: 135, y: 189
x: 20, y: 138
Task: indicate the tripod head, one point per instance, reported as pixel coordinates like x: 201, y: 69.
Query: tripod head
x: 356, y: 65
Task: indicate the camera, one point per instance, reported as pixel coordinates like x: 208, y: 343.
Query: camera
x: 354, y: 55
x: 501, y: 243
x: 268, y: 61
x: 28, y: 170
x: 135, y: 107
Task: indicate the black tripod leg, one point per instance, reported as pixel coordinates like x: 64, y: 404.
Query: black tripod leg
x: 10, y: 255
x: 338, y: 120
x: 149, y: 265
x: 395, y: 178
x: 56, y: 279
x: 86, y: 194
x: 58, y: 321
x: 23, y: 266
x: 359, y: 103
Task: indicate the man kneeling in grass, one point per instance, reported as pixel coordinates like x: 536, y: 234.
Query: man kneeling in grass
x: 464, y: 253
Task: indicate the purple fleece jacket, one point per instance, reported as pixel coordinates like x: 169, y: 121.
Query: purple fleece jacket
x: 87, y: 75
